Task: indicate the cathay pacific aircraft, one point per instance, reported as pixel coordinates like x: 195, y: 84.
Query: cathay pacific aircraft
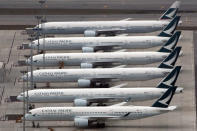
x: 105, y: 59
x: 109, y: 28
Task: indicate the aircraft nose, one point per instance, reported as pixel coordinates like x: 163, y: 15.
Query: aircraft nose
x: 19, y: 97
x: 37, y: 28
x: 24, y: 77
x: 27, y: 117
x: 33, y: 44
x: 180, y: 23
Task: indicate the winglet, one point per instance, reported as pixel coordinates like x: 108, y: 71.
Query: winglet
x: 170, y: 61
x: 127, y: 19
x: 170, y: 28
x: 171, y: 43
x: 171, y: 78
x: 119, y: 86
x: 165, y: 99
x: 122, y: 50
x: 120, y: 104
x: 120, y: 66
x: 171, y: 12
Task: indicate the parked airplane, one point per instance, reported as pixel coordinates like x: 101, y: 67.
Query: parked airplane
x: 106, y: 59
x: 109, y: 28
x: 88, y: 116
x: 92, y: 44
x: 88, y: 96
x: 89, y: 77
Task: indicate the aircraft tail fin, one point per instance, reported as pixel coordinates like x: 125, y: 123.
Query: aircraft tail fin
x: 165, y: 99
x: 171, y: 12
x: 171, y: 43
x: 171, y: 78
x: 170, y: 28
x: 170, y: 61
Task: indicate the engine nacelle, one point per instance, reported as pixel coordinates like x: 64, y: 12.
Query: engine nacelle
x: 86, y: 65
x: 81, y: 122
x: 90, y: 33
x: 87, y: 49
x: 81, y: 102
x: 84, y: 83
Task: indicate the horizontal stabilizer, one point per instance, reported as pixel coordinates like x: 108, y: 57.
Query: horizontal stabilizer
x: 171, y: 108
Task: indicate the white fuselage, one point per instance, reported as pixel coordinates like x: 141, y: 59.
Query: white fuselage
x: 121, y: 26
x: 77, y: 43
x: 106, y: 112
x: 106, y: 74
x: 75, y: 59
x: 93, y: 95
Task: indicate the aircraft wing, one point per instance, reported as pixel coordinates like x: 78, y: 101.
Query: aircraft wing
x: 104, y: 117
x: 96, y: 117
x: 103, y: 99
x: 110, y: 32
x: 102, y: 79
x: 126, y: 19
x: 105, y: 46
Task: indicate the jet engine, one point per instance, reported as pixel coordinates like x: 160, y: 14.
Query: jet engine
x: 81, y: 122
x: 90, y: 33
x: 84, y: 83
x: 81, y: 102
x: 87, y: 49
x: 86, y: 65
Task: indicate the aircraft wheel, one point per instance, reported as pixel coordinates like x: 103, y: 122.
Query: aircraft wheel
x: 33, y: 124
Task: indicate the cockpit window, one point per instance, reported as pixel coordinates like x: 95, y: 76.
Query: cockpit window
x: 29, y: 113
